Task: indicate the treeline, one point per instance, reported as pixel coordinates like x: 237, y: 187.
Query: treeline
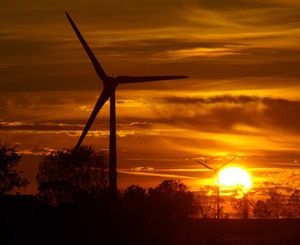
x: 277, y: 204
x: 80, y: 179
x: 68, y: 180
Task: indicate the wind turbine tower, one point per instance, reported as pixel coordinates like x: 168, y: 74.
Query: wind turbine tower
x: 216, y: 174
x: 108, y: 92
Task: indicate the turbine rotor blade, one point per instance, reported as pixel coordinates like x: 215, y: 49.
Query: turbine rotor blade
x: 205, y: 165
x: 131, y: 79
x: 104, y: 96
x: 222, y: 166
x: 100, y: 72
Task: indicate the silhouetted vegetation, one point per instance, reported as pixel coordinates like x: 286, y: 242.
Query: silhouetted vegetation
x: 135, y: 202
x: 241, y: 205
x: 10, y: 178
x: 275, y: 203
x: 206, y: 203
x: 23, y: 221
x: 79, y: 210
x: 171, y: 199
x: 293, y: 205
x: 68, y: 177
x: 261, y: 210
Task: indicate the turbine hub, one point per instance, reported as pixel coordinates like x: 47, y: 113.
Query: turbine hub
x: 111, y: 82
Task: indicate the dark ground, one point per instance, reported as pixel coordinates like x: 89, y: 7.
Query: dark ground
x: 28, y: 222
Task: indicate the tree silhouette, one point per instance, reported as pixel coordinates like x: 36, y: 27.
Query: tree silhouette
x: 294, y: 204
x: 241, y: 205
x: 261, y: 210
x: 66, y: 176
x: 206, y: 203
x: 275, y: 203
x: 135, y: 201
x: 171, y: 199
x: 9, y: 177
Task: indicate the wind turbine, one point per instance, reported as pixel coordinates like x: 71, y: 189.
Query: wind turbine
x: 216, y: 174
x: 108, y: 92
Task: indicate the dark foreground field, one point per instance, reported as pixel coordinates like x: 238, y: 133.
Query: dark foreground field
x: 35, y: 224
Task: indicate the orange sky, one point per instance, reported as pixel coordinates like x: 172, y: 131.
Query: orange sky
x: 241, y: 98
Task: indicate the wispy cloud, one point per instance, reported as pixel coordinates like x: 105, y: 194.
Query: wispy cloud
x: 153, y: 174
x: 237, y: 38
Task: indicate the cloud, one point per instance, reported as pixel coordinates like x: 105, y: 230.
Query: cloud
x: 38, y: 151
x: 203, y: 39
x: 170, y: 176
x: 141, y: 168
x: 228, y: 111
x: 248, y: 50
x: 186, y: 122
x: 46, y: 126
x: 237, y: 13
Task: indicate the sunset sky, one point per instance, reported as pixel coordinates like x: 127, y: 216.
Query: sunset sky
x: 241, y: 98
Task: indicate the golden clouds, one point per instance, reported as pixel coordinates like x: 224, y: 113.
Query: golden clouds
x: 241, y: 125
x: 242, y: 58
x: 206, y: 39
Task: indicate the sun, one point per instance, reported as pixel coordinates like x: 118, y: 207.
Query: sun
x: 235, y: 177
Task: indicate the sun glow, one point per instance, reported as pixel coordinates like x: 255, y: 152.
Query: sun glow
x: 235, y: 177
